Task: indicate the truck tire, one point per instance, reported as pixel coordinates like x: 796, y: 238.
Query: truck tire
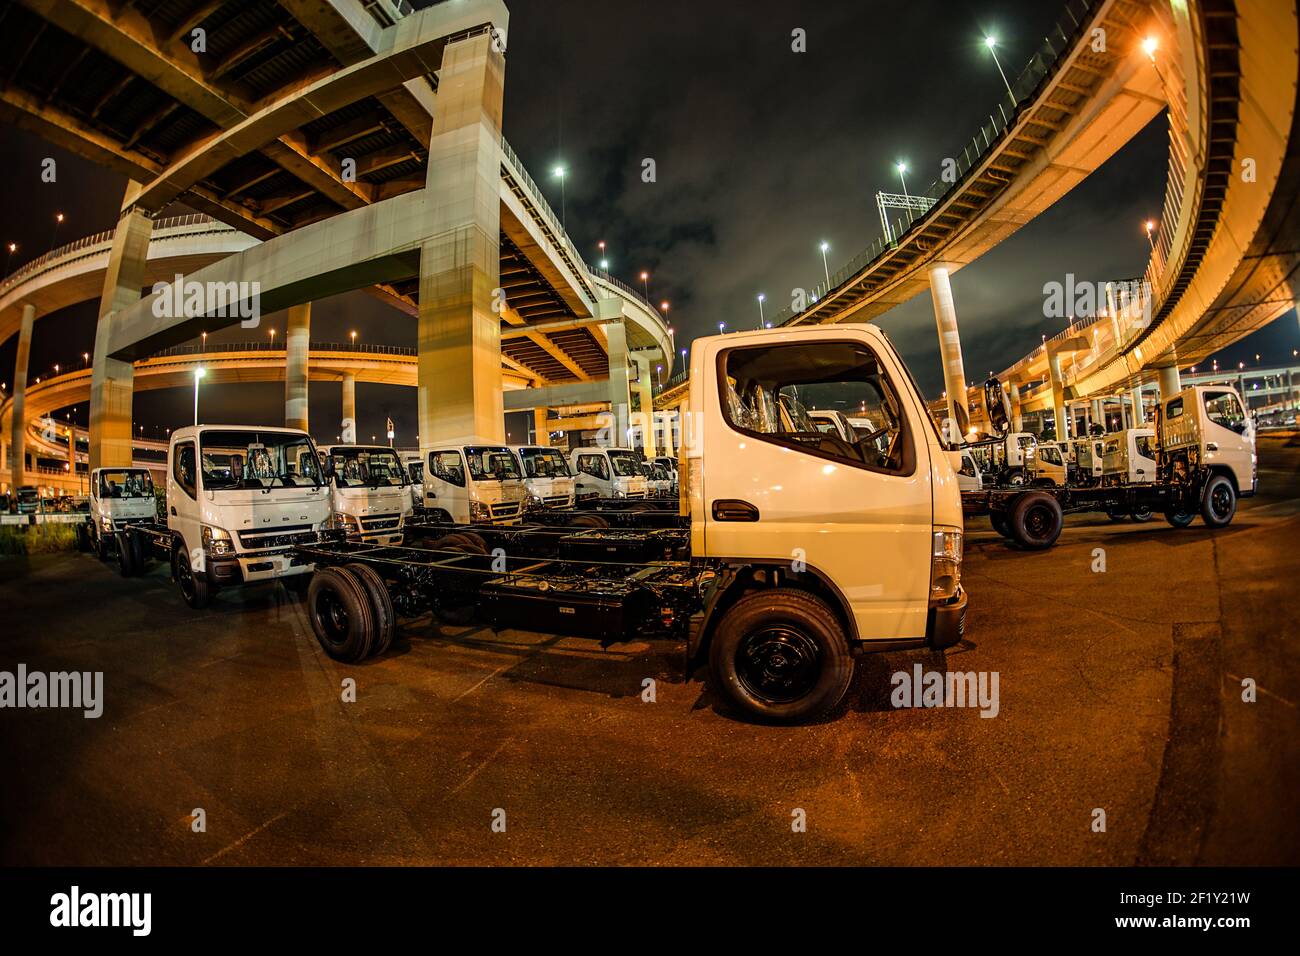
x: 1219, y: 503
x: 194, y: 588
x: 1180, y: 519
x: 125, y: 555
x: 338, y: 607
x: 588, y: 521
x: 381, y: 606
x: 999, y: 521
x: 1117, y: 514
x: 780, y: 655
x: 101, y: 545
x: 1014, y: 476
x: 474, y: 540
x: 1141, y: 514
x: 1036, y: 520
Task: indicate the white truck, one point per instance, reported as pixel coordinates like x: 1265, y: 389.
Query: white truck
x: 548, y: 480
x: 473, y: 484
x: 118, y: 497
x: 797, y: 549
x: 1129, y: 457
x: 370, y: 495
x: 239, y: 498
x: 1046, y: 464
x: 1089, y: 456
x: 1199, y: 459
x: 969, y: 476
x: 608, y: 473
x: 414, y: 466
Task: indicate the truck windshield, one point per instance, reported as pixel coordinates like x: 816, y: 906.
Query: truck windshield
x: 373, y: 467
x: 415, y: 471
x: 625, y: 463
x: 255, y: 459
x: 544, y: 463
x: 28, y: 495
x: 125, y: 484
x: 491, y: 463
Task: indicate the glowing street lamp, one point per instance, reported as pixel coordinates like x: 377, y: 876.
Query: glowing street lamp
x: 58, y: 221
x: 991, y: 43
x: 1150, y: 227
x: 10, y: 249
x: 761, y: 297
x: 721, y: 327
x: 354, y: 338
x: 560, y: 173
x: 645, y: 284
x: 902, y: 168
x: 1149, y: 47
x: 826, y: 268
x: 198, y: 377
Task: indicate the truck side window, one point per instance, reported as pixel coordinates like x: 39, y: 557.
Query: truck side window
x: 184, y: 470
x: 594, y: 465
x: 1143, y: 445
x: 1224, y: 409
x: 446, y: 465
x: 1174, y: 409
x: 769, y: 390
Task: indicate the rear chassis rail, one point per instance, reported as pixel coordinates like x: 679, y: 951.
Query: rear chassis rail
x: 549, y: 537
x: 1156, y: 496
x: 611, y: 601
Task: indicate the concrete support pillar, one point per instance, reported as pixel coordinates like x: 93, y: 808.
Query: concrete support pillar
x: 297, y: 342
x: 1017, y: 416
x: 541, y: 431
x: 1058, y: 393
x: 459, y: 329
x: 348, y: 424
x: 645, y: 402
x: 1170, y: 382
x: 112, y: 380
x: 17, y: 412
x: 620, y: 396
x: 1098, y: 413
x: 1138, y: 415
x: 945, y: 318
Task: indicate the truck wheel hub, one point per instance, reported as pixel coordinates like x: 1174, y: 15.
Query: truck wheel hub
x: 778, y: 664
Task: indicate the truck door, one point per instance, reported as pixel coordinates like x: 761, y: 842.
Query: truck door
x: 183, y: 495
x: 1229, y: 436
x: 445, y: 485
x: 777, y: 489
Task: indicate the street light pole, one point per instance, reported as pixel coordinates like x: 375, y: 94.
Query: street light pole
x: 761, y: 297
x: 991, y: 42
x: 826, y: 268
x: 198, y: 377
x: 559, y: 173
x: 902, y: 168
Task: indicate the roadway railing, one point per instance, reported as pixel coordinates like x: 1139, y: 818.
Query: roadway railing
x: 1041, y: 66
x: 218, y: 348
x: 69, y: 250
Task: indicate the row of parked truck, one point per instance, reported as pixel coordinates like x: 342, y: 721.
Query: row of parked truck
x: 797, y: 541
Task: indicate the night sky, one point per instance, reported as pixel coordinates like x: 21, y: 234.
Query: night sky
x: 761, y: 153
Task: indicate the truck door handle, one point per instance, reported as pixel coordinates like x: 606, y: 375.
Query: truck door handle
x: 173, y: 509
x: 732, y: 509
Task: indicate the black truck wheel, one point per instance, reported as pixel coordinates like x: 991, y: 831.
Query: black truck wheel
x: 1180, y: 519
x: 781, y: 655
x: 1141, y: 514
x: 1117, y: 514
x: 339, y: 609
x: 193, y: 585
x: 1219, y: 504
x: 381, y: 606
x: 1036, y: 520
x: 1013, y: 476
x: 101, y: 544
x: 126, y: 563
x: 999, y: 521
x: 588, y: 521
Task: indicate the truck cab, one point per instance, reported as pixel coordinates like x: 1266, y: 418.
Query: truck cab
x: 414, y: 468
x: 548, y: 480
x: 669, y: 463
x: 1089, y: 457
x: 832, y: 421
x: 370, y: 496
x: 1128, y: 457
x: 118, y: 497
x: 1047, y: 465
x: 471, y: 484
x: 969, y: 476
x: 608, y: 473
x: 1205, y: 431
x: 238, y: 498
x: 823, y: 546
x: 28, y: 500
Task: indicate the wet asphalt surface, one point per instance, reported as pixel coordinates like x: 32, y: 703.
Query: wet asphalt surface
x: 1120, y: 691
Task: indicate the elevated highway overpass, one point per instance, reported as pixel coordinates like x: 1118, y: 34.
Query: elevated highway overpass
x: 314, y: 128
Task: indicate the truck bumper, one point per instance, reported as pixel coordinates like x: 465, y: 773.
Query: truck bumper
x: 946, y: 623
x: 226, y: 571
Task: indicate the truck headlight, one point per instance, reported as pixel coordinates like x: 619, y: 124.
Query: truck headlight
x: 479, y: 511
x: 620, y: 493
x: 945, y: 564
x: 217, y: 540
x: 348, y: 523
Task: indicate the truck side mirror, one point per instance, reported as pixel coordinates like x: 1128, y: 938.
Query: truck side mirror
x: 998, y: 407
